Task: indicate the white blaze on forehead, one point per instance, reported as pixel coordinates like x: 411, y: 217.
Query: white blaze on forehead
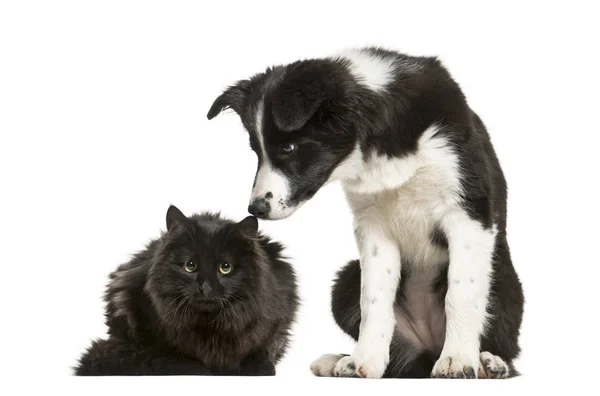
x: 268, y: 179
x: 259, y: 129
x: 370, y: 69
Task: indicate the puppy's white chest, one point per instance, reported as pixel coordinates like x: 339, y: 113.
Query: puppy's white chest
x: 405, y: 197
x: 414, y: 213
x: 410, y: 213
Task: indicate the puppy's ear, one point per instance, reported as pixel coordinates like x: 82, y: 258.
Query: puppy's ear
x: 232, y: 98
x: 297, y: 99
x: 174, y: 215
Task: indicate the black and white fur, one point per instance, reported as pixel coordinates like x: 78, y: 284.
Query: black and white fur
x: 435, y: 292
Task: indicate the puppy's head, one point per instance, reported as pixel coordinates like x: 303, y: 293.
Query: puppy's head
x: 299, y: 119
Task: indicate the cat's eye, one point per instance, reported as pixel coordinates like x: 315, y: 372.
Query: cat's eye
x: 190, y: 266
x: 287, y: 148
x: 225, y: 268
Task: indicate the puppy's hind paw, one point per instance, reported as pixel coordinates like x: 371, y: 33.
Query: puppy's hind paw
x: 345, y: 367
x: 492, y: 366
x: 324, y: 366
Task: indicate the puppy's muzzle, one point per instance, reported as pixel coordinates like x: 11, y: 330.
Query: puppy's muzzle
x: 260, y: 208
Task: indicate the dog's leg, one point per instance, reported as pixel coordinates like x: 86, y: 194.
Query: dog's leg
x: 506, y: 306
x: 380, y: 274
x: 471, y: 252
x: 406, y: 361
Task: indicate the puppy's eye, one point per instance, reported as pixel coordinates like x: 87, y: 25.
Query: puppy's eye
x: 225, y: 268
x: 190, y: 266
x: 287, y: 148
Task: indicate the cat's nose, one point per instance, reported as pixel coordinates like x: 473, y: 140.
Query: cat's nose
x: 260, y: 208
x: 206, y: 289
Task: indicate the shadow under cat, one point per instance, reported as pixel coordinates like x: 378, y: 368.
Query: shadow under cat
x: 208, y: 297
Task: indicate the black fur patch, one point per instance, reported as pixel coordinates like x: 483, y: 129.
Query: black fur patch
x: 439, y: 238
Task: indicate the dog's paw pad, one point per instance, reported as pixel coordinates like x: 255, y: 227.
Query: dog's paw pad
x: 492, y: 366
x: 324, y: 366
x: 449, y: 367
x: 345, y: 367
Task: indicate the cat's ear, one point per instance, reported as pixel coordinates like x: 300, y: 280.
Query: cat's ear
x: 248, y: 227
x: 174, y: 215
x: 232, y: 98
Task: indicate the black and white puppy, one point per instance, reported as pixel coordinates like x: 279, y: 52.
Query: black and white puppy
x: 435, y: 292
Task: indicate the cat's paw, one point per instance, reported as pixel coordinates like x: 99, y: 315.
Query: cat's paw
x: 491, y: 366
x: 325, y: 365
x: 452, y: 367
x: 364, y: 366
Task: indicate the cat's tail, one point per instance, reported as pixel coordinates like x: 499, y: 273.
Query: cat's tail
x: 121, y: 357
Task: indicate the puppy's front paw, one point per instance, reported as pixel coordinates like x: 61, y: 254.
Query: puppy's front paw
x: 492, y: 366
x: 364, y: 366
x: 452, y: 367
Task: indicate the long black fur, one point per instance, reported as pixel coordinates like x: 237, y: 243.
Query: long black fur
x: 161, y: 322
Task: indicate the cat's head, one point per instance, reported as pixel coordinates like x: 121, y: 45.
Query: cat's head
x: 205, y: 263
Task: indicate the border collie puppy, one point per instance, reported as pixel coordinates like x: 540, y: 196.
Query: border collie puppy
x: 434, y: 293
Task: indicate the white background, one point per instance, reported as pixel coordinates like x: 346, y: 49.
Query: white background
x: 102, y: 121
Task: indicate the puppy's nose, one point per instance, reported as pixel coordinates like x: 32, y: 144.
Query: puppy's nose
x: 260, y: 208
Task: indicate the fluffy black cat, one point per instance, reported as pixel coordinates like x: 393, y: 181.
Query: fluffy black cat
x: 209, y: 297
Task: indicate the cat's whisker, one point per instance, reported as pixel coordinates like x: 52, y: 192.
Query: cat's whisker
x: 250, y: 301
x: 175, y: 310
x: 168, y: 312
x: 220, y: 312
x: 233, y: 310
x: 185, y: 312
x: 178, y: 295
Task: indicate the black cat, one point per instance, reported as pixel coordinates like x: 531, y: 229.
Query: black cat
x: 209, y: 297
